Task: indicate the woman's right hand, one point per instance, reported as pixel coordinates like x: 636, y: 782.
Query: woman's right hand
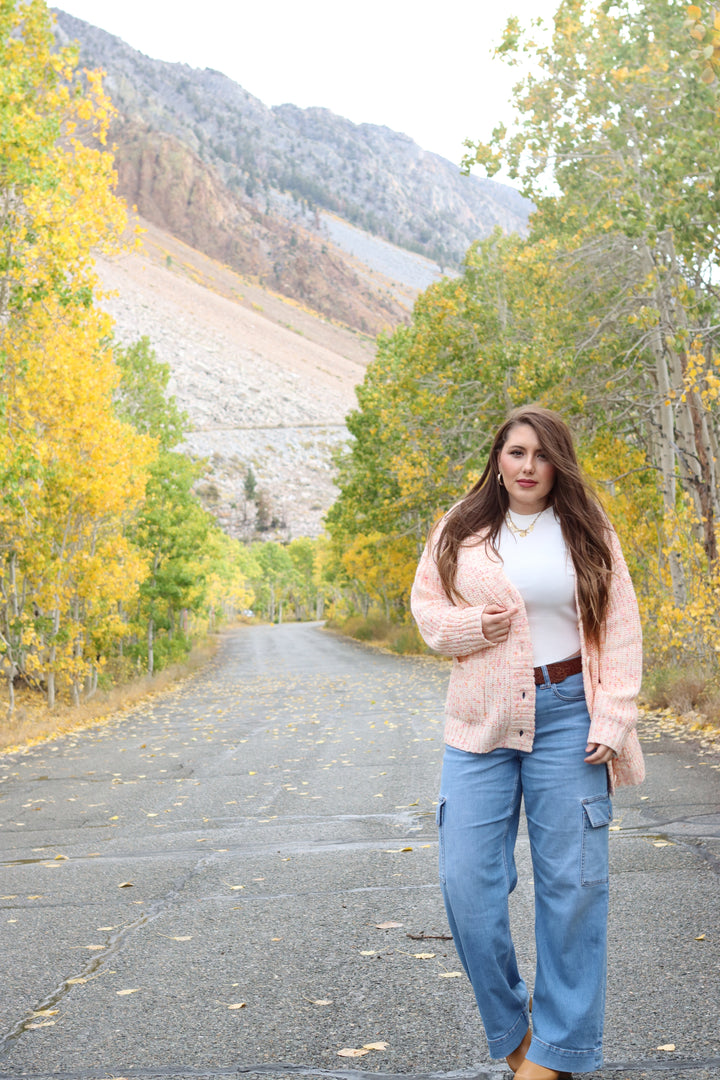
x: 496, y: 622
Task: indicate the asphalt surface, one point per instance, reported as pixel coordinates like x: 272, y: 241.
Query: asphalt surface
x: 238, y: 878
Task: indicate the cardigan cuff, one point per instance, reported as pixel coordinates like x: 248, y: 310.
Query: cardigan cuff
x: 457, y: 633
x: 608, y: 730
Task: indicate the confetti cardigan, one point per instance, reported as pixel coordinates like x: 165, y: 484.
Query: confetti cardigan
x: 491, y: 695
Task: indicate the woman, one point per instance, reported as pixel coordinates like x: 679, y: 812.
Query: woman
x: 523, y: 583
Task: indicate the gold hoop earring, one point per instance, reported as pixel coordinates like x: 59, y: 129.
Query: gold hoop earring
x: 500, y: 480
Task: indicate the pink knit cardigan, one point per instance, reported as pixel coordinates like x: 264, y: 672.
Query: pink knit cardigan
x: 491, y: 695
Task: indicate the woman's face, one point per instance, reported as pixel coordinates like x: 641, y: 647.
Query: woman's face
x: 527, y: 474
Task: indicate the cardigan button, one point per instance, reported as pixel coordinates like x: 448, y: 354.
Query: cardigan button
x: 521, y: 733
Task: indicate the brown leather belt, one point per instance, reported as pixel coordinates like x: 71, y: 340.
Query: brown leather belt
x: 559, y: 671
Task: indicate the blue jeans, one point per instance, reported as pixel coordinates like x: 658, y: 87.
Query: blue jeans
x: 568, y: 812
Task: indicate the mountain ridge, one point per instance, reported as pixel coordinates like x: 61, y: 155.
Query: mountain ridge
x: 370, y: 175
x: 173, y: 188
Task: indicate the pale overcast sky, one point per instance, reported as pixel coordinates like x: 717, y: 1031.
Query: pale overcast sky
x: 420, y: 67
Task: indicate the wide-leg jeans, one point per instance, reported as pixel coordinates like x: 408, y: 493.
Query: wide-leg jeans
x: 568, y: 813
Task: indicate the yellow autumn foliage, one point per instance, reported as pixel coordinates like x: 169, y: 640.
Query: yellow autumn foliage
x: 74, y: 475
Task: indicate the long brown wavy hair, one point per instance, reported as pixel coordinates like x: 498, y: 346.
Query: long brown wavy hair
x: 481, y: 513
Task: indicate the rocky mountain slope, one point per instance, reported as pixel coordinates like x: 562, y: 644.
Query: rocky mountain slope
x: 368, y: 175
x: 266, y: 384
x: 172, y: 187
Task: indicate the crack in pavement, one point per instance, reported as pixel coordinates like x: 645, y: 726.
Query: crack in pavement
x: 93, y: 968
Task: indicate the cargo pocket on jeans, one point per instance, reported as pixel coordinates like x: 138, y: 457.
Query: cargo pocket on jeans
x: 439, y: 820
x: 597, y: 815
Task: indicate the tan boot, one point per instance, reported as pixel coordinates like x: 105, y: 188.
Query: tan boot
x: 517, y: 1057
x: 530, y: 1071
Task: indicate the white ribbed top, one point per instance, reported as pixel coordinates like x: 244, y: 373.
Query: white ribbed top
x: 540, y: 568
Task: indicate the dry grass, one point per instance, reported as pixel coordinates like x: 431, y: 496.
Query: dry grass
x: 688, y: 690
x: 375, y: 629
x: 33, y: 722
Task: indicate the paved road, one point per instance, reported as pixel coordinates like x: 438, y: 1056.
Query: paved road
x: 198, y: 888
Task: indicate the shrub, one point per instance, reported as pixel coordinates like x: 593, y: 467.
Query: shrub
x: 679, y: 688
x: 406, y: 639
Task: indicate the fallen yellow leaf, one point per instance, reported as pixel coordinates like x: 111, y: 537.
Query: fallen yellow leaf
x: 124, y: 993
x: 450, y: 975
x: 387, y: 925
x: 34, y: 1027
x: 701, y: 937
x: 375, y: 1046
x: 424, y: 955
x: 347, y: 1052
x: 238, y: 1005
x: 46, y: 1012
x: 667, y: 1046
x: 126, y: 885
x: 320, y: 1001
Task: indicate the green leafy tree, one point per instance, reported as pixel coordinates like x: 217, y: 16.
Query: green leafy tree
x: 277, y: 577
x: 142, y: 394
x: 616, y: 142
x: 437, y: 390
x: 173, y: 528
x: 250, y: 484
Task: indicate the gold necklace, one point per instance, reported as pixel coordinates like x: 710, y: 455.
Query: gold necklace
x: 515, y: 530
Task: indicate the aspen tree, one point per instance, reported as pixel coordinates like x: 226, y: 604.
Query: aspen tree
x: 70, y: 471
x: 616, y: 142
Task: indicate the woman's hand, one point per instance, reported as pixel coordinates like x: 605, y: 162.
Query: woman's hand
x: 496, y: 622
x: 599, y: 754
